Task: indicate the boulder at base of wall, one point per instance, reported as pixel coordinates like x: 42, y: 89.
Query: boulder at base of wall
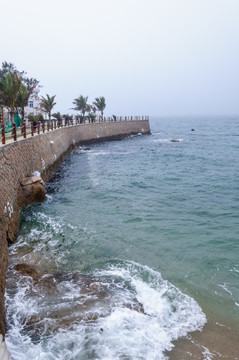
x: 32, y: 189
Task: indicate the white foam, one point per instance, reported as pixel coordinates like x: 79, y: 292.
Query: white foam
x: 138, y: 319
x: 235, y: 270
x: 224, y: 287
x: 207, y: 354
x: 168, y: 141
x: 49, y: 198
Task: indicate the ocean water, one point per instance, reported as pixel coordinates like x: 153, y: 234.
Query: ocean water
x: 135, y: 247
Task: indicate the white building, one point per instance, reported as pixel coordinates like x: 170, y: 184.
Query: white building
x: 33, y: 107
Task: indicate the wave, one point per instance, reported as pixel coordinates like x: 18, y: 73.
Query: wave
x: 168, y: 140
x: 118, y: 310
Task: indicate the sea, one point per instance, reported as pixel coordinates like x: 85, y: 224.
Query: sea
x: 134, y: 254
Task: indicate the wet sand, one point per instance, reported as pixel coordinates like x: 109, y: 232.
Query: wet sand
x: 216, y: 341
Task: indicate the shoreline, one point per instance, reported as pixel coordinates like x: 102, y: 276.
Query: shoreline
x: 215, y: 341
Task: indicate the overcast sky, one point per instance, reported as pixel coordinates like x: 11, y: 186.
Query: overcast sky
x: 156, y: 57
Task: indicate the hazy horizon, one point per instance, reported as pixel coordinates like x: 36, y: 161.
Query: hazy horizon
x: 154, y: 57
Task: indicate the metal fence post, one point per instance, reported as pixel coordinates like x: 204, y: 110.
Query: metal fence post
x: 24, y: 130
x: 14, y: 131
x: 3, y: 133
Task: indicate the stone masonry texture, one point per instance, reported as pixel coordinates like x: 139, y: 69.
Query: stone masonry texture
x: 43, y: 153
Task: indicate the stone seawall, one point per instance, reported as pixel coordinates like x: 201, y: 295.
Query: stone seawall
x: 43, y: 154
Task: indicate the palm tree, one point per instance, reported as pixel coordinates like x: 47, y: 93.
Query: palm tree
x: 93, y: 108
x: 81, y: 104
x: 100, y: 104
x: 47, y: 104
x: 23, y: 97
x: 10, y: 84
x: 57, y: 116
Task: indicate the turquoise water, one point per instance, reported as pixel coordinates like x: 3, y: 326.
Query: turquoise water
x: 154, y: 222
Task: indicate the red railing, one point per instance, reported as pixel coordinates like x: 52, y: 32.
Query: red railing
x: 49, y: 125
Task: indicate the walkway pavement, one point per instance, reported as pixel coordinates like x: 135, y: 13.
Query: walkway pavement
x: 21, y: 137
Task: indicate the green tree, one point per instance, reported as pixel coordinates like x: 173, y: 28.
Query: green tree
x: 47, y: 104
x: 22, y: 100
x: 81, y: 104
x: 10, y: 84
x: 57, y: 116
x: 26, y: 90
x: 94, y: 109
x: 100, y: 104
x: 22, y: 88
x: 9, y: 67
x: 92, y: 117
x: 36, y: 118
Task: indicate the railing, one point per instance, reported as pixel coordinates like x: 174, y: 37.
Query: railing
x: 39, y: 128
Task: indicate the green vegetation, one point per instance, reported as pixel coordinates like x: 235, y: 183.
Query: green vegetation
x: 100, y: 104
x: 16, y: 89
x: 36, y: 118
x: 81, y: 104
x: 47, y: 104
x: 10, y: 85
x: 57, y: 116
x: 23, y: 97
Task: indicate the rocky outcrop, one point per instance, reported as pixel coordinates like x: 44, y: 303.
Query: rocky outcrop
x: 32, y: 189
x: 92, y: 295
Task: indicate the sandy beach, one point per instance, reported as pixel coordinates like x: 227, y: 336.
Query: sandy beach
x: 216, y: 341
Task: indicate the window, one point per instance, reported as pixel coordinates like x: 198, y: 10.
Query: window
x: 31, y: 104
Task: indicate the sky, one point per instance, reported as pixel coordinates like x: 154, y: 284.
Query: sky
x: 146, y: 57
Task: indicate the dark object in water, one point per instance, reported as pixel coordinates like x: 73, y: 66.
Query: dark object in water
x: 192, y: 129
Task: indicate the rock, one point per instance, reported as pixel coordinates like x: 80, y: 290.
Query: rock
x: 28, y: 270
x: 174, y: 140
x: 62, y: 312
x: 87, y: 148
x: 31, y: 180
x: 32, y: 189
